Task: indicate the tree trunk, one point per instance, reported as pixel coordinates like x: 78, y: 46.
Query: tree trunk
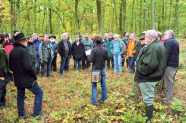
x: 11, y: 12
x: 59, y: 23
x: 132, y: 20
x: 115, y: 16
x: 50, y: 18
x: 76, y: 15
x: 35, y: 17
x: 140, y: 23
x: 163, y: 21
x: 145, y: 15
x: 18, y: 15
x: 120, y: 20
x: 170, y: 13
x: 99, y: 16
x: 152, y: 15
x: 124, y: 15
x: 176, y: 19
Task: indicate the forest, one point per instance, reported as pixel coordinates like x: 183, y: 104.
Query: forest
x: 67, y: 98
x: 92, y: 16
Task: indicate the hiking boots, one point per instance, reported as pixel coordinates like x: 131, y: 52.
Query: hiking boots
x: 149, y: 112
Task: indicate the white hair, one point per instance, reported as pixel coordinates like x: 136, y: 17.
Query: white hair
x: 34, y: 34
x: 45, y: 35
x: 116, y: 35
x: 171, y: 32
x: 64, y: 34
x: 152, y: 34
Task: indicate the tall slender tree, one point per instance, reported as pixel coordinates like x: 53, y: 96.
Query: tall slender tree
x: 76, y: 15
x: 152, y: 15
x: 124, y: 14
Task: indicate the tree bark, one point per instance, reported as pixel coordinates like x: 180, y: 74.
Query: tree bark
x: 18, y: 15
x: 120, y: 20
x: 124, y: 15
x: 50, y: 18
x: 140, y: 23
x: 35, y: 17
x: 76, y: 15
x: 176, y: 19
x: 99, y: 15
x: 152, y: 15
x: 163, y: 21
x: 145, y: 15
x: 115, y: 10
x: 132, y: 15
x: 170, y: 13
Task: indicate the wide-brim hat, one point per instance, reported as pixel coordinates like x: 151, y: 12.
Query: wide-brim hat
x: 41, y: 35
x: 51, y: 35
x: 20, y: 37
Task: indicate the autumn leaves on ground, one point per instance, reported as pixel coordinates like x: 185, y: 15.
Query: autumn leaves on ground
x: 67, y: 98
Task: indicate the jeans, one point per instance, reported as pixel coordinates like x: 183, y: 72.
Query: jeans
x: 38, y: 63
x: 147, y: 91
x: 132, y: 60
x: 37, y: 102
x: 103, y: 87
x: 77, y: 62
x: 117, y: 63
x: 54, y: 63
x: 43, y: 67
x: 64, y: 63
x: 3, y: 91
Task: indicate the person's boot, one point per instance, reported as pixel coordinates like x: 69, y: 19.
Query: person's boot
x: 149, y: 112
x: 37, y: 71
x: 131, y: 71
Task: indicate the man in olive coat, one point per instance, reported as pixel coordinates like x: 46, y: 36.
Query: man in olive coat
x: 24, y: 76
x: 150, y: 66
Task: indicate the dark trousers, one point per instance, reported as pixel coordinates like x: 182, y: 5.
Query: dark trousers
x: 43, y: 67
x: 85, y: 63
x: 65, y: 61
x: 77, y: 62
x: 111, y: 60
x: 132, y: 63
x: 3, y: 92
x: 36, y: 90
x: 54, y: 63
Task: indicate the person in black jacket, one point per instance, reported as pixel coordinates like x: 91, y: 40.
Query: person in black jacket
x: 98, y: 56
x: 64, y: 49
x: 172, y: 55
x: 77, y: 52
x: 24, y: 76
x: 32, y: 51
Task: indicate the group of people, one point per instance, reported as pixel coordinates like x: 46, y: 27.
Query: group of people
x: 156, y: 59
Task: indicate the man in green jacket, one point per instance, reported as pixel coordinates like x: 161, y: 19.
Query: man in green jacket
x: 150, y: 65
x: 46, y: 55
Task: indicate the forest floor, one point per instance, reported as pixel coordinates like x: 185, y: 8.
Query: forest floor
x: 67, y: 98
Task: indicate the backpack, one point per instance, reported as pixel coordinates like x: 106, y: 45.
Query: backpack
x: 4, y: 63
